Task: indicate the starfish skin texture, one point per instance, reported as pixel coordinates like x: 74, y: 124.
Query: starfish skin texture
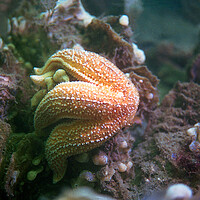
x: 86, y: 111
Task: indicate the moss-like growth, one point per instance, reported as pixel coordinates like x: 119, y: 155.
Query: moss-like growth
x: 33, y: 47
x: 21, y: 150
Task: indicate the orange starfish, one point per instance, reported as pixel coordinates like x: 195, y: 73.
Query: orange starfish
x: 100, y: 101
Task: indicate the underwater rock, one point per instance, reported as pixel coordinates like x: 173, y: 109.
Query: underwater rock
x: 66, y: 22
x: 117, y: 175
x: 146, y: 84
x: 180, y: 110
x: 7, y: 90
x: 5, y: 131
x: 101, y: 37
x: 13, y: 84
x: 11, y: 176
x: 67, y: 10
x: 165, y: 155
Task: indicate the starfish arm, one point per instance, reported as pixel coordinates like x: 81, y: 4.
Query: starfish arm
x: 73, y: 138
x: 85, y: 66
x: 79, y: 100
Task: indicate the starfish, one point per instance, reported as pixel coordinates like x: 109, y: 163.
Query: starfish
x: 96, y: 102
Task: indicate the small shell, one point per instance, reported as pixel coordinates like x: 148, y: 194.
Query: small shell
x: 192, y: 132
x: 149, y: 96
x: 139, y: 54
x: 100, y: 159
x: 122, y: 167
x: 123, y: 144
x: 124, y: 20
x: 108, y: 174
x: 195, y: 147
x: 129, y: 165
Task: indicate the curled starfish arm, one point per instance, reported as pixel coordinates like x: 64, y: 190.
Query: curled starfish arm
x: 79, y: 100
x: 85, y: 66
x: 76, y: 137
